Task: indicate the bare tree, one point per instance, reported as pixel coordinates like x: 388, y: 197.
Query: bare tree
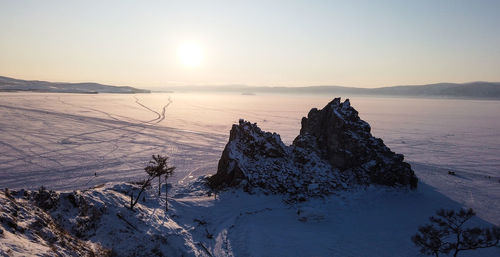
x: 447, y: 234
x: 157, y: 167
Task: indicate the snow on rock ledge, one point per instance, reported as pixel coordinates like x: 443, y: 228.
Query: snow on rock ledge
x: 334, y: 150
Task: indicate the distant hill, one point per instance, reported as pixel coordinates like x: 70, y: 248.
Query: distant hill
x: 472, y: 90
x: 485, y: 90
x: 14, y: 85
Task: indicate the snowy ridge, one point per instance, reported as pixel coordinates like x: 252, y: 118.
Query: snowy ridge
x: 94, y: 222
x: 28, y: 230
x: 335, y: 150
x: 102, y: 215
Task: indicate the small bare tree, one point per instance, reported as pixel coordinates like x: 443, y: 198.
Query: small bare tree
x: 446, y: 234
x: 157, y: 167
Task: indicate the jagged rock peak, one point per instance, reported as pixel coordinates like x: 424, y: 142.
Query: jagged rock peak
x: 339, y: 136
x: 257, y: 141
x: 334, y: 150
x: 256, y: 159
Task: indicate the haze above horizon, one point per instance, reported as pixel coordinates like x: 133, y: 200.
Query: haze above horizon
x: 260, y: 43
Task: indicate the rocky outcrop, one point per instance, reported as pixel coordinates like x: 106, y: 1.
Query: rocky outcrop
x: 334, y: 150
x: 254, y: 158
x: 339, y: 136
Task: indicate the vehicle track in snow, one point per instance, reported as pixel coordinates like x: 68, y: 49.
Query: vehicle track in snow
x: 72, y: 144
x: 130, y: 131
x: 68, y: 148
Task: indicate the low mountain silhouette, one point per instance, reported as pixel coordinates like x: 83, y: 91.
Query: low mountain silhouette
x: 472, y: 90
x: 13, y: 85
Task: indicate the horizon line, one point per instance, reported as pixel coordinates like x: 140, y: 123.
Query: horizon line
x: 246, y: 85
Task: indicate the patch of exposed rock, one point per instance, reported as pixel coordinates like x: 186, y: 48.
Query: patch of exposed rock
x: 334, y: 150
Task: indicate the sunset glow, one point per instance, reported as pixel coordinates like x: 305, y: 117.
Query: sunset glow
x: 190, y: 54
x: 361, y: 44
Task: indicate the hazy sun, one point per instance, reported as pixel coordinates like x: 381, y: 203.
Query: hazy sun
x: 190, y: 54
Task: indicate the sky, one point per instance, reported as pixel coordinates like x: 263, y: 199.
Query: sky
x: 154, y: 44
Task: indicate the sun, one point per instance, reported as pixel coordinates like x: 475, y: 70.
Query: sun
x: 190, y: 54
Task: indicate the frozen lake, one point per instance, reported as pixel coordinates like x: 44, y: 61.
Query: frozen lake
x: 68, y: 141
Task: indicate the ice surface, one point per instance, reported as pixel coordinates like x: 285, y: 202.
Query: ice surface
x: 68, y: 141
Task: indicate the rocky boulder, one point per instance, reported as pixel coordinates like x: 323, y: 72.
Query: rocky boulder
x: 334, y: 150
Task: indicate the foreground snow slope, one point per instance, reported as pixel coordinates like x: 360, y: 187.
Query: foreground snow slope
x: 374, y: 221
x: 102, y: 215
x: 27, y: 230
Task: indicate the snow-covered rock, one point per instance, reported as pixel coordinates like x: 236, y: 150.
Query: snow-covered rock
x: 339, y: 136
x: 28, y: 230
x: 94, y: 222
x: 254, y: 158
x: 334, y: 150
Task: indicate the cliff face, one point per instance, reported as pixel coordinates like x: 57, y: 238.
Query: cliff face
x: 334, y: 150
x: 339, y: 136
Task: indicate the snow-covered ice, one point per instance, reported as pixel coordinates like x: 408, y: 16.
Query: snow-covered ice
x: 70, y: 141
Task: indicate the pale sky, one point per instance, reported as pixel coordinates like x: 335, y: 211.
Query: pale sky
x: 150, y: 44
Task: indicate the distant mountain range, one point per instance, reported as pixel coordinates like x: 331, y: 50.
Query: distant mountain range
x: 15, y: 85
x: 472, y: 90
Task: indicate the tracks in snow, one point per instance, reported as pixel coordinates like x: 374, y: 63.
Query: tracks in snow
x: 161, y: 116
x: 99, y: 140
